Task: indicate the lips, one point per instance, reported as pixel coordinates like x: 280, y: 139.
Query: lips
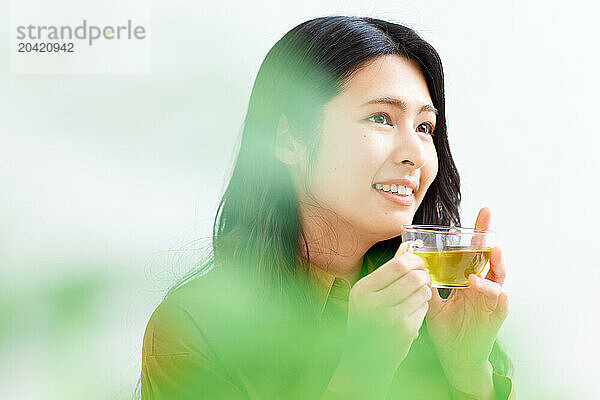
x: 401, y: 199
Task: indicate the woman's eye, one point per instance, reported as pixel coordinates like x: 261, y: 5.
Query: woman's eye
x: 379, y: 118
x: 429, y: 128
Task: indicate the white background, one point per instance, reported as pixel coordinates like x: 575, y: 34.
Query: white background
x: 106, y: 178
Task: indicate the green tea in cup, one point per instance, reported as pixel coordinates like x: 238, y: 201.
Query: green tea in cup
x: 450, y: 253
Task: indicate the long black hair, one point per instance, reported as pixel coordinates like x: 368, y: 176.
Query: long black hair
x: 257, y: 227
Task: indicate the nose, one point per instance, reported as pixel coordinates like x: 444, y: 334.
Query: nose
x: 409, y: 149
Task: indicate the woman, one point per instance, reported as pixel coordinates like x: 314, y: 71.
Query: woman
x: 308, y: 292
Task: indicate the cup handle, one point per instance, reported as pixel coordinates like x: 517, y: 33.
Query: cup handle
x: 414, y: 244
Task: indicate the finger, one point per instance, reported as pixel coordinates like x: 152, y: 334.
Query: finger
x: 490, y: 290
x: 497, y: 271
x: 407, y: 247
x: 415, y: 301
x: 483, y: 219
x: 403, y: 287
x: 403, y: 248
x: 481, y: 224
x: 501, y: 311
x: 391, y: 271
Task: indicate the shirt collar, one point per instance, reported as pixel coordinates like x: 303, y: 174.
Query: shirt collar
x: 327, y: 288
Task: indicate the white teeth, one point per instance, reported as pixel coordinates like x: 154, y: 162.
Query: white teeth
x: 403, y: 190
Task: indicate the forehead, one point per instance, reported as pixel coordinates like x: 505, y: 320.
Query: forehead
x: 389, y: 75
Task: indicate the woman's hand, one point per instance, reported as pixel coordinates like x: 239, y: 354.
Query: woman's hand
x: 385, y: 311
x: 463, y: 327
x: 388, y: 307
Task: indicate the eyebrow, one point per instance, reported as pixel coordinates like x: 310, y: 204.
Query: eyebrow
x: 401, y: 104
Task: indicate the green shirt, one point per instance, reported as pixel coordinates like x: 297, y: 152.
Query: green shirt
x: 211, y: 340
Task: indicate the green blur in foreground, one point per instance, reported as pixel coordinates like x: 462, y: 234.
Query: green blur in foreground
x: 219, y: 336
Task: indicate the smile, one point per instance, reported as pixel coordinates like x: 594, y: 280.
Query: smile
x: 399, y: 189
x: 396, y: 193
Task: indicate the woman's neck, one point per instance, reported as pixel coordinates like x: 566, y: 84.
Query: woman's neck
x: 333, y: 245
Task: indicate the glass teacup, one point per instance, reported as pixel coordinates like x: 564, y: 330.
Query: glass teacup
x: 451, y: 253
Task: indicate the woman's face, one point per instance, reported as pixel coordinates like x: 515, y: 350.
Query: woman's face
x: 366, y: 142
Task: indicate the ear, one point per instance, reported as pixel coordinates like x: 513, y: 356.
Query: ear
x: 287, y: 149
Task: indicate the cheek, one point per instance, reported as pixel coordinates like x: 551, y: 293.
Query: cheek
x: 345, y: 166
x: 430, y: 169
